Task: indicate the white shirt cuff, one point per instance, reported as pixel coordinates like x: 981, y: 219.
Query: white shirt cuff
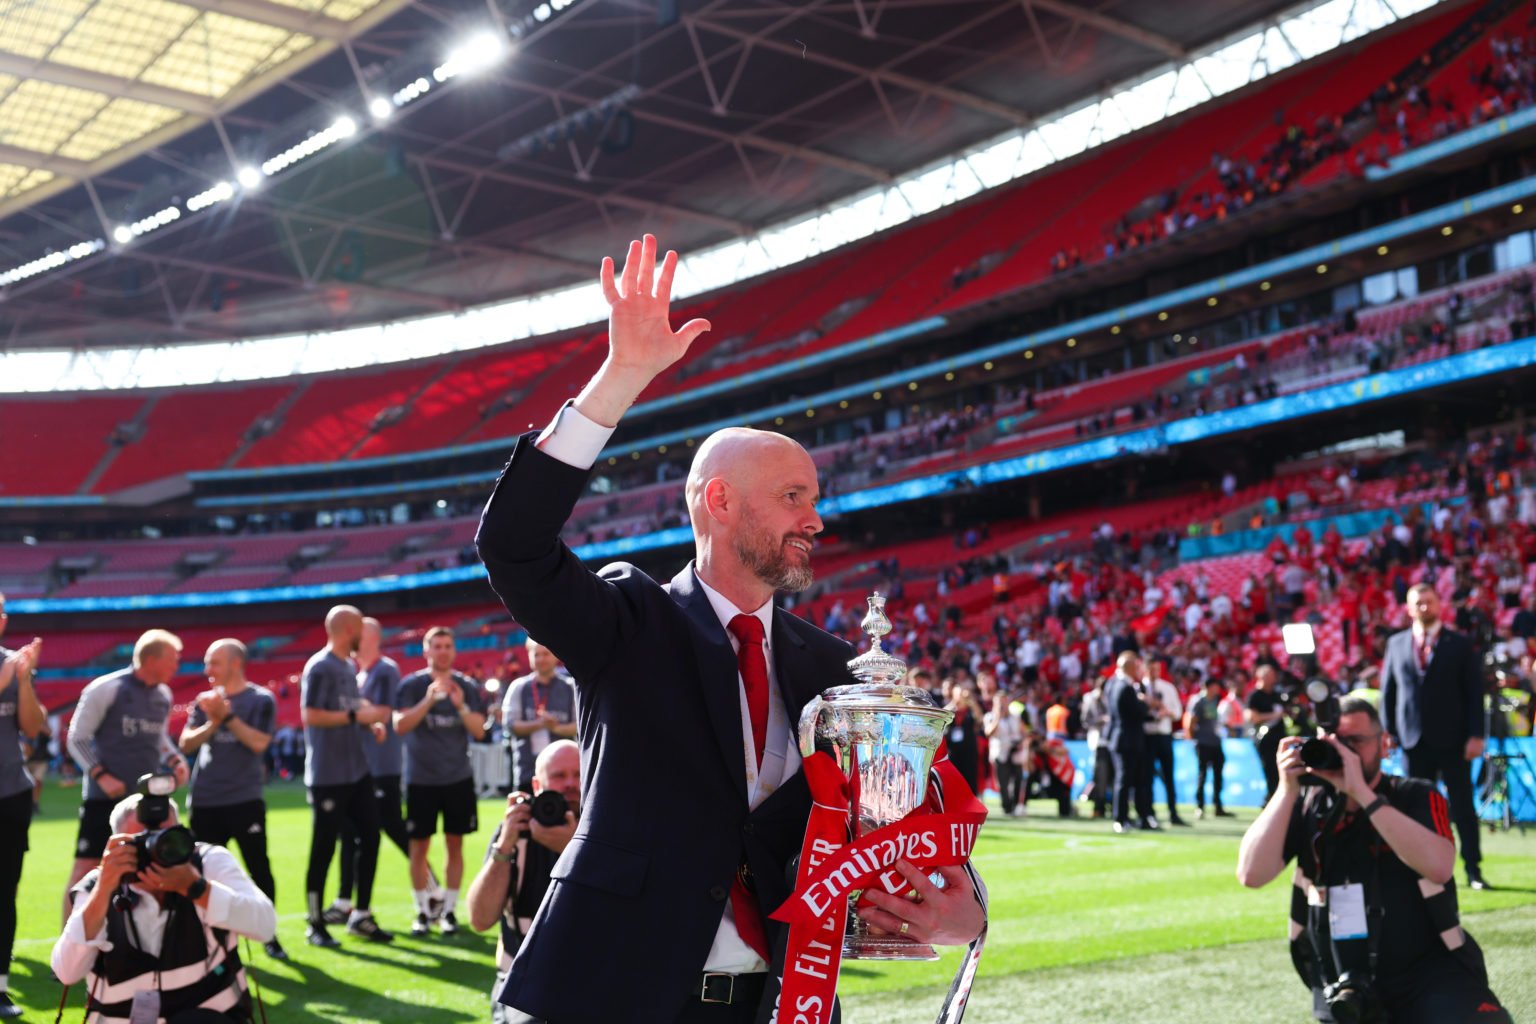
x: 74, y: 934
x: 574, y: 439
x: 217, y: 911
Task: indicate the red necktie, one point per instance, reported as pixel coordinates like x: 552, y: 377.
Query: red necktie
x: 1423, y: 652
x: 748, y: 631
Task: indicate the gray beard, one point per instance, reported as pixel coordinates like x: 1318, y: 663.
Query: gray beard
x: 773, y: 568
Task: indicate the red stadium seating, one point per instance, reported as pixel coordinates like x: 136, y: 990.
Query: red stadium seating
x: 192, y: 428
x: 74, y: 433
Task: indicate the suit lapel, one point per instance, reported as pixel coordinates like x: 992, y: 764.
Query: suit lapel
x: 796, y: 672
x: 718, y: 673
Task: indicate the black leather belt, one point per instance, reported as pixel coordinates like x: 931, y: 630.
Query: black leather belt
x: 730, y: 989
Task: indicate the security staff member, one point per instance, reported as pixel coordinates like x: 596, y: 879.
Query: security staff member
x: 1374, y: 891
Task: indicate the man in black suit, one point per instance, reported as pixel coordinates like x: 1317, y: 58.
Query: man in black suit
x: 1432, y: 706
x: 687, y: 695
x: 1126, y: 738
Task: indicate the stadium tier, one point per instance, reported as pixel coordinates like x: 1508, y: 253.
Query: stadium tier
x: 967, y: 256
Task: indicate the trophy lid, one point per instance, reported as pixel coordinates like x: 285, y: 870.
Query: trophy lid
x: 877, y: 665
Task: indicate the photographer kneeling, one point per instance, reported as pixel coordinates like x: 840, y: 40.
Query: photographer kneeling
x: 1375, y: 931
x: 516, y: 873
x: 153, y: 930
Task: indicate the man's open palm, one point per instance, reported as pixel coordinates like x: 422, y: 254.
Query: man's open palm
x: 640, y: 335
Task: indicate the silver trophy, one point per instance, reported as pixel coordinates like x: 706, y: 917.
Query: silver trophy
x: 883, y: 734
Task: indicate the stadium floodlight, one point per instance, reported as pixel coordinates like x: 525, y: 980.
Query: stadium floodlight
x: 249, y: 177
x: 208, y: 197
x: 344, y: 127
x: 380, y: 108
x: 122, y: 234
x: 542, y: 12
x: 50, y: 261
x: 474, y: 54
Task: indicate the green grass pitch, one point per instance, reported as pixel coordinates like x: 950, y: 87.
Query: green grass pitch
x: 1086, y: 926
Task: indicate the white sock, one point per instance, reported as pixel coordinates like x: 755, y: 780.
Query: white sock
x: 450, y: 900
x: 343, y: 905
x: 423, y: 901
x: 359, y: 915
x: 5, y: 982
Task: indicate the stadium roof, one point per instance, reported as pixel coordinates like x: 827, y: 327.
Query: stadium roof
x: 586, y: 122
x: 86, y: 85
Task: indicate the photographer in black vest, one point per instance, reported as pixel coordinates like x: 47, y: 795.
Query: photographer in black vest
x: 517, y: 867
x: 1375, y: 930
x: 153, y: 930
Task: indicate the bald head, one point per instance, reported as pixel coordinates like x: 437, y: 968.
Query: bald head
x: 224, y: 661
x: 752, y: 501
x: 344, y: 627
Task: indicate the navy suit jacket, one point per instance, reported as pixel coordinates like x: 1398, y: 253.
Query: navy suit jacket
x: 1127, y: 714
x: 1442, y: 707
x: 638, y: 895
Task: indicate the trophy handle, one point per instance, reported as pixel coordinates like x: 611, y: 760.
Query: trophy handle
x: 808, y: 721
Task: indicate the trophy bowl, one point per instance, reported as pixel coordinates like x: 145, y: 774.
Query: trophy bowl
x: 883, y: 735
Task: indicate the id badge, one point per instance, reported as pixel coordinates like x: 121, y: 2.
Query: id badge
x: 146, y: 1008
x: 1346, y: 911
x: 957, y: 735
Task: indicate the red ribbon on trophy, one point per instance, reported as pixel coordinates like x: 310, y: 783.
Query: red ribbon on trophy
x: 940, y: 833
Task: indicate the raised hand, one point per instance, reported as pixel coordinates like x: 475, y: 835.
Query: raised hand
x: 640, y: 335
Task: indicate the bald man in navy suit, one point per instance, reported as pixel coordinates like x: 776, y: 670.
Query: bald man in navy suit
x: 687, y: 697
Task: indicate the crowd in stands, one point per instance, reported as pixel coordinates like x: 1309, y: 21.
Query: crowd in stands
x: 1408, y: 110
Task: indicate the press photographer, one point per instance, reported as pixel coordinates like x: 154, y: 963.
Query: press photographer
x: 1369, y: 849
x: 153, y: 930
x: 533, y: 833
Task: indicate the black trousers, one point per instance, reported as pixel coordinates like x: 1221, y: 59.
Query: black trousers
x: 245, y: 823
x: 1210, y: 759
x: 1049, y: 785
x: 334, y: 808
x: 1160, y: 765
x: 15, y: 825
x: 1010, y: 779
x: 386, y: 793
x: 1450, y: 765
x: 1103, y: 779
x: 1127, y: 776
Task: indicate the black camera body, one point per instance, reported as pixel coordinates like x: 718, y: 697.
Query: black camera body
x: 1351, y: 1000
x: 166, y: 847
x: 547, y: 807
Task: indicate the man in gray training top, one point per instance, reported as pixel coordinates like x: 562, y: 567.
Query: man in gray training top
x: 228, y: 730
x: 378, y: 677
x: 20, y: 715
x: 438, y: 711
x: 118, y: 734
x: 337, y: 724
x: 538, y: 709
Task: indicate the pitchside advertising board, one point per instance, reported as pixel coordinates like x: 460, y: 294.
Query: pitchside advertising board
x: 1243, y: 778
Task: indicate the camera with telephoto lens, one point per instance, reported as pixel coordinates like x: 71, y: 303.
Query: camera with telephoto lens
x: 167, y: 847
x: 547, y: 807
x: 1351, y: 999
x: 1318, y: 754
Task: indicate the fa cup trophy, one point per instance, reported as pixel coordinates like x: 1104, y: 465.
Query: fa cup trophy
x: 883, y: 734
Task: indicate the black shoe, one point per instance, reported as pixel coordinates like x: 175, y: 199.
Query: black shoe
x: 1150, y: 825
x: 1475, y: 880
x: 367, y: 928
x: 316, y: 935
x: 435, y: 905
x: 8, y: 1009
x: 335, y: 915
x: 1222, y: 812
x: 449, y: 924
x: 421, y: 927
x: 1176, y: 820
x: 275, y: 950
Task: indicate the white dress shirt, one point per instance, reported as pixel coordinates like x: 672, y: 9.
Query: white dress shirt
x: 577, y: 441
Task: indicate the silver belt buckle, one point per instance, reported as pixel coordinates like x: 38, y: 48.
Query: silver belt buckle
x: 730, y: 992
